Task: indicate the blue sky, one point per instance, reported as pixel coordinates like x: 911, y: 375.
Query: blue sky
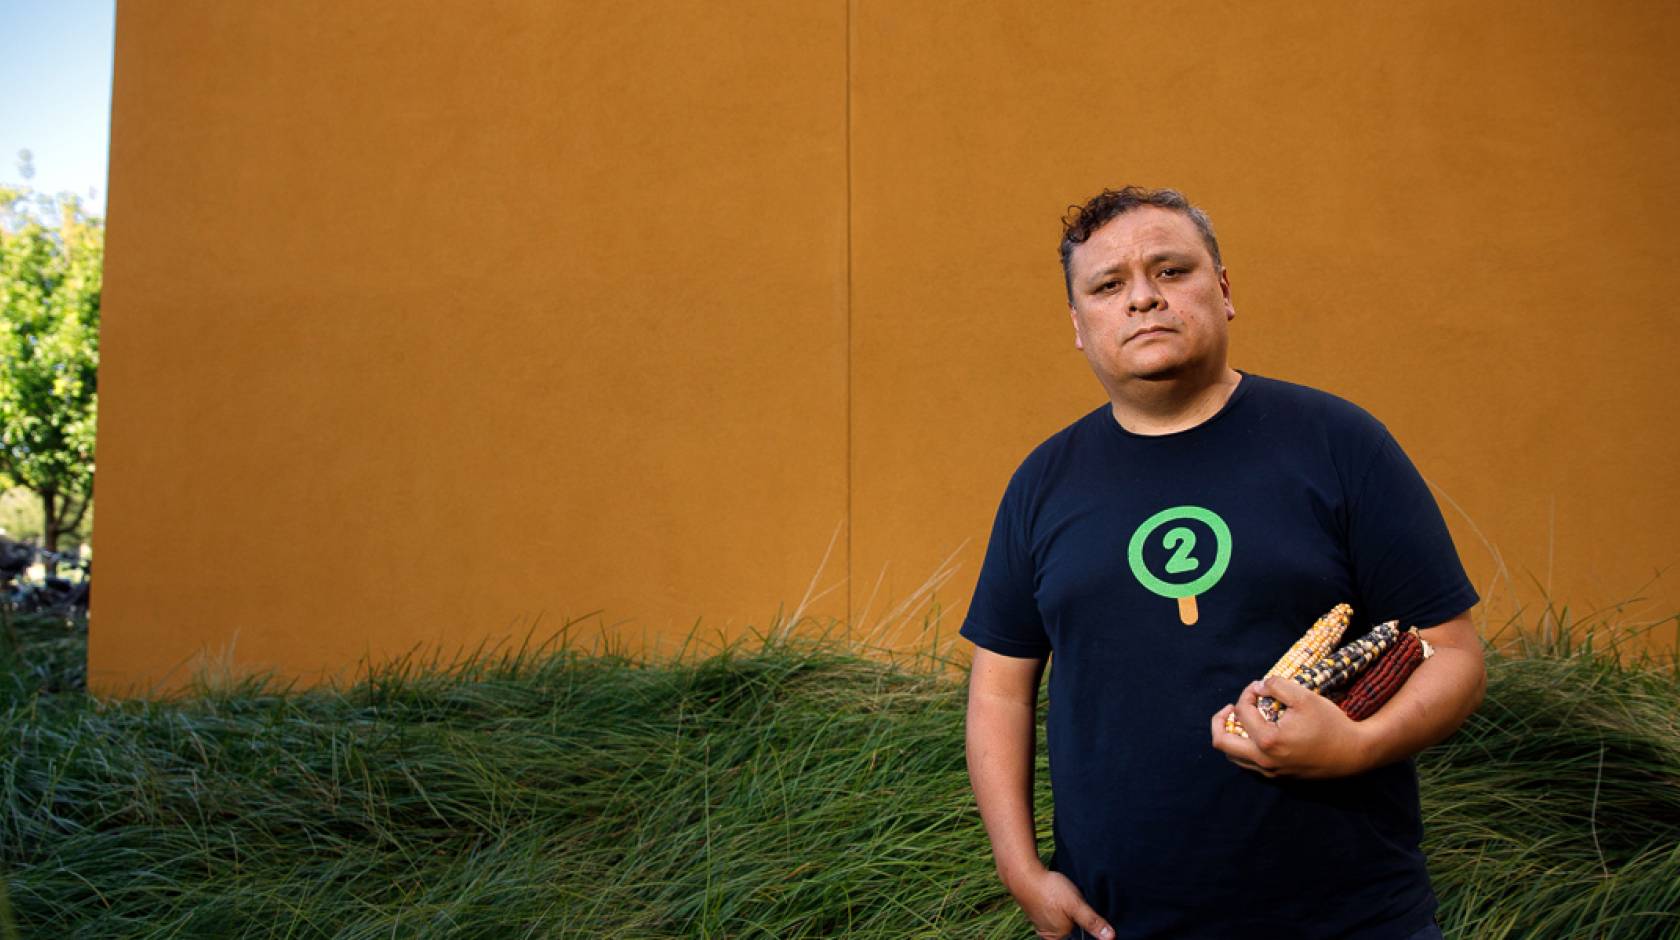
x: 55, y: 94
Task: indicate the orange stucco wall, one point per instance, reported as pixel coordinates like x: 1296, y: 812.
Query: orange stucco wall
x: 429, y: 322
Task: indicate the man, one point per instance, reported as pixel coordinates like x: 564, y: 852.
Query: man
x: 1167, y: 548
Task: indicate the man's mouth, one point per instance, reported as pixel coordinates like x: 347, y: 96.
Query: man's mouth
x: 1148, y: 330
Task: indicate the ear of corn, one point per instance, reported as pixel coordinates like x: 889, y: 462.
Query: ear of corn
x: 1338, y: 668
x: 1319, y: 640
x: 1325, y: 633
x: 1379, y: 683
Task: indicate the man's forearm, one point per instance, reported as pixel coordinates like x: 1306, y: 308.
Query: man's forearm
x: 1001, y: 735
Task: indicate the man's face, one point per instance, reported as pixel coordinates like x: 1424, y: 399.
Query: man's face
x: 1148, y: 303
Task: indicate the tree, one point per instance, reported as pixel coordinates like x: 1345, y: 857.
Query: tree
x: 51, y: 267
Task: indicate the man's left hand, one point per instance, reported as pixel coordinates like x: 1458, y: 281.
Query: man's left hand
x: 1312, y: 738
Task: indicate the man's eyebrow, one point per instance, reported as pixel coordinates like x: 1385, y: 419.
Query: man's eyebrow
x: 1096, y: 276
x: 1180, y: 257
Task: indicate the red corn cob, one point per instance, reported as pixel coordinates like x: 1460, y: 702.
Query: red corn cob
x: 1382, y: 686
x: 1381, y: 675
x: 1384, y: 678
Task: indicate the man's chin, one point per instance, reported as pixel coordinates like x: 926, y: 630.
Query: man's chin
x: 1175, y: 370
x: 1165, y: 373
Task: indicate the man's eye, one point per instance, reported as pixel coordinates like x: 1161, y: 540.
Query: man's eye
x: 1107, y: 286
x: 1171, y: 272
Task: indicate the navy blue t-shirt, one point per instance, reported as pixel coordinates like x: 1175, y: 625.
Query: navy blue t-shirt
x: 1285, y: 503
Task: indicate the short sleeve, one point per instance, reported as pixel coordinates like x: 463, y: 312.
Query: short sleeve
x: 1003, y: 616
x: 1405, y: 565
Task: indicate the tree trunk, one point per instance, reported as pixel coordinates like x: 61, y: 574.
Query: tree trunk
x: 60, y: 515
x: 49, y: 530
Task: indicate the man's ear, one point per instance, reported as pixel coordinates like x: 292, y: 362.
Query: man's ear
x: 1074, y: 316
x: 1225, y: 291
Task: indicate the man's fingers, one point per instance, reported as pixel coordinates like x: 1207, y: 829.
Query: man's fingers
x: 1287, y: 691
x: 1224, y: 740
x: 1240, y: 750
x: 1066, y: 901
x: 1217, y: 726
x: 1260, y: 731
x: 1092, y: 923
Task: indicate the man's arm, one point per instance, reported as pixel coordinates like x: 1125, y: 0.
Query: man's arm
x: 1314, y: 738
x: 1001, y: 734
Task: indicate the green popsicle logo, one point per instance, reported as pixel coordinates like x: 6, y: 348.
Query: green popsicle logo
x: 1181, y: 541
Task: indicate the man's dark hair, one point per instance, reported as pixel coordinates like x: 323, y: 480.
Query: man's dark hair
x: 1081, y: 221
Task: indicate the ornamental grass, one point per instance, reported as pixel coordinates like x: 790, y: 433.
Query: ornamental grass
x: 788, y: 785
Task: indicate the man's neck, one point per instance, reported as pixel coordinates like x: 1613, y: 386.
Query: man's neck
x: 1166, y: 406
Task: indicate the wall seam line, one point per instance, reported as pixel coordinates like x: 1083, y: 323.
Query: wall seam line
x: 849, y: 463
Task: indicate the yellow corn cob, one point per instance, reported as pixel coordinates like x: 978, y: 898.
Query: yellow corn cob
x: 1326, y: 632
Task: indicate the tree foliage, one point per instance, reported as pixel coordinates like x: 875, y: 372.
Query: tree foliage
x: 51, y: 264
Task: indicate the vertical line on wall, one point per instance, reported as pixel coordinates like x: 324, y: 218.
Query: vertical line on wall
x: 848, y: 135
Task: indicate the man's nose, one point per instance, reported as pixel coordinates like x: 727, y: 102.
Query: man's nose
x: 1142, y: 296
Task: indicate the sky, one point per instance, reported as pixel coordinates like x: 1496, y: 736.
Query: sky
x: 55, y: 94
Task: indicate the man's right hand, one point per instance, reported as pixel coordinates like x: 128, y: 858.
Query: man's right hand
x: 1000, y: 741
x: 1054, y: 906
